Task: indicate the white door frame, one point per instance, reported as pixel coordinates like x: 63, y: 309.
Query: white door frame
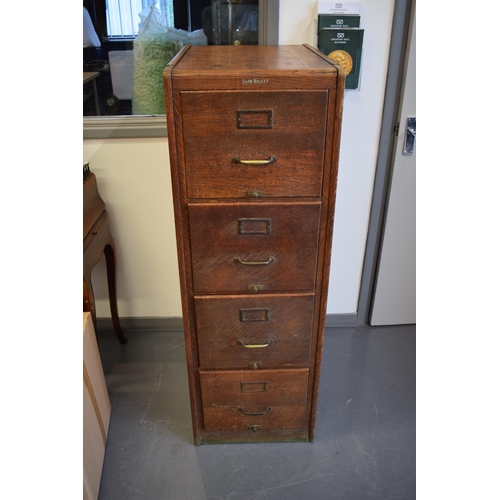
x: 394, y: 293
x: 390, y: 117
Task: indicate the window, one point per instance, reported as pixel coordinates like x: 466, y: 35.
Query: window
x: 108, y: 65
x: 123, y: 20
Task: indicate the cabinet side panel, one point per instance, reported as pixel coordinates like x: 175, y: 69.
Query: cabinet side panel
x: 182, y: 232
x: 334, y: 123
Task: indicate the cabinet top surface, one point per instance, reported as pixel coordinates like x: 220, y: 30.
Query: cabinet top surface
x: 251, y: 58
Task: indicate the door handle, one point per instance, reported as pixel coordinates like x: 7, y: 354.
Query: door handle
x: 411, y: 134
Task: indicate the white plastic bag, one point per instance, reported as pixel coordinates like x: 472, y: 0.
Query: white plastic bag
x: 187, y: 37
x: 153, y: 50
x: 154, y: 47
x: 90, y: 38
x: 151, y: 23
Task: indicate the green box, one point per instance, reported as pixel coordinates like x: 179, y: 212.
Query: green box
x: 338, y: 21
x: 344, y: 46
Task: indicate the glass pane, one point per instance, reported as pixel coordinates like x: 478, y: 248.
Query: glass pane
x: 108, y: 65
x: 231, y: 22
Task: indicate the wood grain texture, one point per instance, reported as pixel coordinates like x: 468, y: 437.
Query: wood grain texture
x: 216, y: 245
x: 238, y: 68
x: 296, y: 139
x: 174, y: 126
x: 204, y: 61
x: 224, y: 322
x: 98, y: 240
x: 93, y: 205
x: 334, y: 126
x: 268, y: 227
x: 279, y: 395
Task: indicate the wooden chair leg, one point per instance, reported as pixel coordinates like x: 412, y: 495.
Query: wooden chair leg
x: 109, y: 253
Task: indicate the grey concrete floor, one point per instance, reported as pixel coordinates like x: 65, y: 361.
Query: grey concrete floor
x: 364, y: 446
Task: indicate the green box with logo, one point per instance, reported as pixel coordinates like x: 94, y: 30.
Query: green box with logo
x: 338, y: 21
x: 344, y: 46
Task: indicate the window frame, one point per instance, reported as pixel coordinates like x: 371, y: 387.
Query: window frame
x: 137, y: 126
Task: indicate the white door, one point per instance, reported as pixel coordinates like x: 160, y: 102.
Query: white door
x: 394, y: 300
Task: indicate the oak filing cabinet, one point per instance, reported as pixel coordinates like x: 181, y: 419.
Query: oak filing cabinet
x: 254, y: 136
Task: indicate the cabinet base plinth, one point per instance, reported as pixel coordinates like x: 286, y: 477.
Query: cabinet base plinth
x: 259, y: 436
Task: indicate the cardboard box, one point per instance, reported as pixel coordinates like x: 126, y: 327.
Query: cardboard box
x: 345, y: 47
x: 338, y: 21
x: 96, y: 412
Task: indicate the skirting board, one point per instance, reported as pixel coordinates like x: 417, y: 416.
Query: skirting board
x: 143, y: 323
x: 160, y: 323
x: 342, y: 320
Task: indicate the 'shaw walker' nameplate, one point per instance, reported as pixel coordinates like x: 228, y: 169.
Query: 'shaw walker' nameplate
x: 254, y: 81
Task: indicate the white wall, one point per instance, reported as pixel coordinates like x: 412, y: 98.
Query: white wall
x: 133, y: 177
x: 134, y: 181
x: 359, y: 146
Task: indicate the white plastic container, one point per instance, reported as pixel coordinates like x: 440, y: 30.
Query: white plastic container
x: 121, y: 64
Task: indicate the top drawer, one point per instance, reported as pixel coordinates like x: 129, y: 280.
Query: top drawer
x: 225, y: 133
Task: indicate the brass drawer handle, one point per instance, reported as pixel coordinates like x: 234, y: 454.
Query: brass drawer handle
x: 254, y: 162
x: 245, y: 263
x: 254, y: 194
x: 268, y: 409
x: 254, y: 346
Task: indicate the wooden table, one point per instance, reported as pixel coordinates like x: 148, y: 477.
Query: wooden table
x: 91, y: 76
x: 97, y: 239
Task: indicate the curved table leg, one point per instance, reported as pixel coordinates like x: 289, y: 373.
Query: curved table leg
x: 97, y: 242
x: 109, y: 253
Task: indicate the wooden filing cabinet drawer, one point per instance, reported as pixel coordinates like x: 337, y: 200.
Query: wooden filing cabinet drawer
x: 268, y: 399
x: 265, y: 331
x: 237, y: 247
x: 286, y: 128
